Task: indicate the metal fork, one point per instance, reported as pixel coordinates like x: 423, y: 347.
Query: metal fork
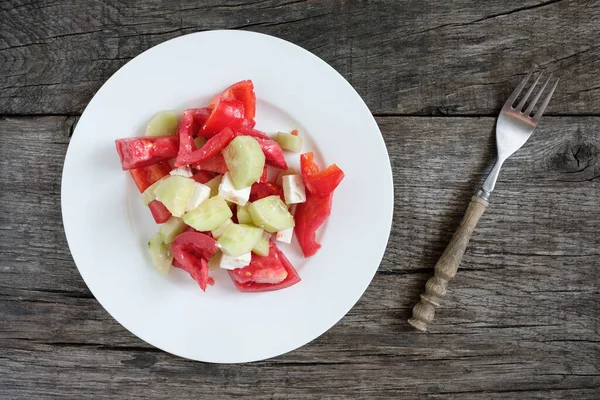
x: 515, y: 125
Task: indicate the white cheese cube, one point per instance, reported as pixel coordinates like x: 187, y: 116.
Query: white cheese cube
x: 230, y: 193
x: 200, y: 193
x: 293, y: 189
x: 285, y: 235
x: 229, y: 262
x: 185, y: 171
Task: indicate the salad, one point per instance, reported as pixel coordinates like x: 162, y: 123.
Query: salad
x: 203, y: 175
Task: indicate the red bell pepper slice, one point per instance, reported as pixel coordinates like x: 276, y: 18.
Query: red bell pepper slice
x: 273, y: 153
x: 211, y: 148
x: 250, y: 131
x: 244, y: 92
x: 160, y: 213
x: 263, y: 177
x: 227, y: 113
x: 146, y: 176
x: 260, y: 190
x: 320, y: 183
x: 201, y: 115
x: 144, y: 151
x: 203, y: 176
x: 192, y: 250
x: 216, y: 164
x: 310, y: 215
x: 272, y: 272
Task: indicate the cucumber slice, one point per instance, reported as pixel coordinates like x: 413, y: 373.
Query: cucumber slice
x: 214, y: 184
x: 243, y: 215
x: 245, y: 161
x: 172, y: 228
x: 261, y: 247
x: 164, y: 123
x: 215, y: 260
x: 199, y: 141
x: 160, y: 253
x: 271, y: 214
x: 209, y: 215
x: 174, y: 192
x: 289, y: 142
x: 219, y: 231
x: 289, y: 171
x: 149, y: 194
x: 239, y: 239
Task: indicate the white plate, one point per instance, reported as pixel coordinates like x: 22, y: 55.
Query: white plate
x: 107, y: 226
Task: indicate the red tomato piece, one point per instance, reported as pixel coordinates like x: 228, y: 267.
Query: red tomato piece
x: 273, y: 153
x: 310, y: 215
x: 203, y: 176
x: 211, y: 148
x: 260, y: 190
x: 244, y: 92
x: 191, y: 251
x: 159, y: 212
x: 272, y: 272
x: 216, y: 164
x: 320, y: 183
x: 250, y: 131
x: 146, y: 176
x: 227, y: 113
x: 263, y: 177
x: 185, y: 131
x: 144, y: 151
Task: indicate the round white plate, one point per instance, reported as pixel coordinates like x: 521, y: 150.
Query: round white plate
x: 107, y: 226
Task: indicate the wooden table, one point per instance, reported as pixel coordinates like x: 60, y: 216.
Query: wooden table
x: 521, y: 319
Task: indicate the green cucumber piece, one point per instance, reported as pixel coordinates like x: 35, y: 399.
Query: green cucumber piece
x: 171, y: 229
x: 175, y: 192
x: 164, y: 123
x: 243, y: 215
x: 149, y: 194
x: 219, y: 231
x: 271, y: 214
x: 160, y: 253
x: 209, y: 215
x: 200, y: 141
x: 239, y: 239
x: 289, y: 142
x: 245, y: 161
x: 214, y: 184
x: 261, y: 247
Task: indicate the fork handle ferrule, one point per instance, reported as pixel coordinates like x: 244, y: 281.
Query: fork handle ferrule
x: 483, y: 194
x: 447, y: 265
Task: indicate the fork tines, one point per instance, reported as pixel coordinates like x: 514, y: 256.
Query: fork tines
x: 527, y: 112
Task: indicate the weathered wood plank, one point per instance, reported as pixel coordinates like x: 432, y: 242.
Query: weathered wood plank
x: 520, y: 319
x: 407, y: 57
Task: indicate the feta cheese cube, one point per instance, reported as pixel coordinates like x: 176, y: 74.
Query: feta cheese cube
x: 293, y: 189
x: 200, y: 193
x: 185, y: 171
x: 230, y: 262
x: 285, y: 235
x: 230, y: 193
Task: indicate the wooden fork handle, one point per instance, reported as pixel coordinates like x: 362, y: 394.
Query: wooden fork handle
x: 447, y: 265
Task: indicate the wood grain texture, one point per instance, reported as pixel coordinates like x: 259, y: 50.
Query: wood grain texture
x: 520, y: 320
x: 404, y: 57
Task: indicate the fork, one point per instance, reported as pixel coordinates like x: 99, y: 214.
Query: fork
x: 515, y: 125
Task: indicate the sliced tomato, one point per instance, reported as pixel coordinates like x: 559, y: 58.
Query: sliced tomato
x: 211, y: 148
x: 146, y: 176
x: 263, y: 177
x: 227, y: 113
x: 216, y: 164
x: 185, y: 131
x: 191, y: 252
x: 260, y: 190
x: 203, y: 176
x: 144, y: 151
x: 272, y: 272
x: 273, y: 153
x: 309, y: 216
x: 250, y: 131
x: 160, y: 213
x: 320, y: 183
x: 244, y: 92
